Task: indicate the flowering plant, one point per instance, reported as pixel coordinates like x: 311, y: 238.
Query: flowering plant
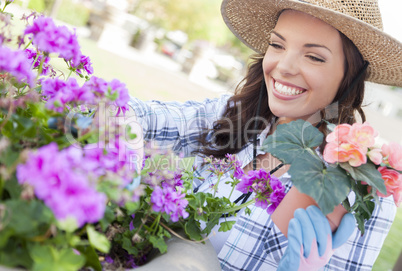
x: 75, y: 191
x: 351, y: 161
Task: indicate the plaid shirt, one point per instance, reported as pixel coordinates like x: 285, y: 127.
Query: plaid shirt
x: 254, y: 243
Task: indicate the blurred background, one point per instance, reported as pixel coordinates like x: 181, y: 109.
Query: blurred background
x: 182, y: 50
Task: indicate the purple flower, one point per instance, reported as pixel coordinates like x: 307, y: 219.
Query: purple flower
x: 60, y: 92
x: 109, y: 259
x: 170, y: 202
x: 85, y: 64
x: 97, y: 85
x: 177, y: 179
x: 123, y: 96
x: 116, y: 159
x: 277, y: 194
x: 60, y: 180
x: 166, y: 179
x: 48, y: 37
x: 32, y: 54
x: 238, y: 172
x: 17, y: 65
x: 268, y: 189
x: 131, y: 226
x: 255, y: 181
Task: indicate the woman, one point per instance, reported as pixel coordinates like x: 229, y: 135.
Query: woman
x: 313, y: 57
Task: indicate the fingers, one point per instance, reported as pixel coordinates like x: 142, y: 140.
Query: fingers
x: 295, y: 239
x: 321, y: 227
x: 315, y: 228
x: 307, y: 230
x: 344, y: 231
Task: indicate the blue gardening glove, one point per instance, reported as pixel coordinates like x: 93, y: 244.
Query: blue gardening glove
x: 310, y: 241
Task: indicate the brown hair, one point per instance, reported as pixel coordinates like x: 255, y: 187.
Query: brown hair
x: 232, y: 132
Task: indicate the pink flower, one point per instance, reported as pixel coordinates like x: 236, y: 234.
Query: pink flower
x: 375, y: 156
x: 393, y: 155
x: 350, y: 143
x: 340, y: 133
x: 345, y: 152
x: 362, y: 134
x: 393, y: 183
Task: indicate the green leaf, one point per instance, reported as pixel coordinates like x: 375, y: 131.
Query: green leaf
x: 192, y: 229
x: 13, y: 187
x: 291, y: 140
x: 14, y: 253
x: 107, y: 218
x: 129, y: 133
x: 159, y: 243
x: 68, y: 224
x: 213, y: 220
x: 28, y: 219
x: 91, y: 258
x: 132, y: 206
x: 25, y: 126
x: 98, y: 240
x: 247, y: 211
x: 226, y: 226
x: 328, y: 187
x: 127, y: 244
x: 367, y: 173
x: 47, y: 258
x: 9, y: 156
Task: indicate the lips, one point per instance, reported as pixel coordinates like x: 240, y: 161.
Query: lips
x: 286, y: 91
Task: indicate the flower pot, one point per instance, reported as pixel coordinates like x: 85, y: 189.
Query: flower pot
x: 183, y: 255
x: 293, y: 200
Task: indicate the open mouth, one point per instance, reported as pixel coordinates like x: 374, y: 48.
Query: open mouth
x: 287, y: 90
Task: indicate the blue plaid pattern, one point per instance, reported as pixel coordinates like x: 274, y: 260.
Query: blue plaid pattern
x: 254, y: 243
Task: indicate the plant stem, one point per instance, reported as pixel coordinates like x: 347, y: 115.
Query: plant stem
x: 71, y: 71
x: 156, y: 223
x: 36, y: 59
x: 142, y: 224
x: 314, y: 154
x: 367, y: 197
x: 233, y: 209
x: 1, y: 187
x: 216, y: 185
x: 40, y: 67
x: 26, y: 46
x: 82, y: 138
x: 231, y: 192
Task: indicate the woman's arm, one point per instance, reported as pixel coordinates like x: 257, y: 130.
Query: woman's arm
x: 174, y: 125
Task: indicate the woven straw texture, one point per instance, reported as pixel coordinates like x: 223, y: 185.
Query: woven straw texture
x: 360, y: 20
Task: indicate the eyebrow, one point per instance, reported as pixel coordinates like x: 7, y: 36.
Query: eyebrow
x: 308, y: 45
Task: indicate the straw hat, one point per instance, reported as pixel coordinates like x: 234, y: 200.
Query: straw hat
x: 360, y: 20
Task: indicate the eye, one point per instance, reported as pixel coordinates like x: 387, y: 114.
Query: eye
x: 275, y: 45
x: 316, y: 59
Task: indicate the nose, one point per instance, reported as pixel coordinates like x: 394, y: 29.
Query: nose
x: 288, y: 64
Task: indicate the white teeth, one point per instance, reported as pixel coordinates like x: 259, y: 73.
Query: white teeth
x: 286, y: 90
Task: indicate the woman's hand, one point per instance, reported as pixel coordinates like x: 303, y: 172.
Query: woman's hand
x: 310, y: 240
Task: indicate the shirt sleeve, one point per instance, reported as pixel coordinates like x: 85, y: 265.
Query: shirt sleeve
x: 177, y: 126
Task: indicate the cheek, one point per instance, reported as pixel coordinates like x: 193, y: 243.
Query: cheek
x: 325, y: 85
x: 268, y: 63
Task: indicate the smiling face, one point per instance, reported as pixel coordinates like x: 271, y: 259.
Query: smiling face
x: 303, y: 66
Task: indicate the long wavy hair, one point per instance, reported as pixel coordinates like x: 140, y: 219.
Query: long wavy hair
x: 235, y: 128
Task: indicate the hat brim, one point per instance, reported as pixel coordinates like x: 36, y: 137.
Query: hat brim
x: 251, y: 21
